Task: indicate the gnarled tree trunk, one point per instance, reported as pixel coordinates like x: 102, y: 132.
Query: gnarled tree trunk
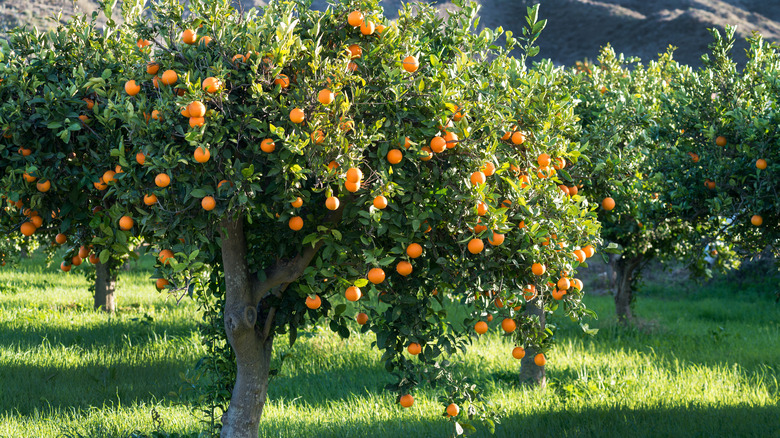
x: 532, y: 374
x: 105, y: 284
x: 625, y: 268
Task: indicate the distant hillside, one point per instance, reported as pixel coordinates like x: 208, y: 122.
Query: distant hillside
x: 576, y: 28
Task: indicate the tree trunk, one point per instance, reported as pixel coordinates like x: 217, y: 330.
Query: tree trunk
x: 625, y: 268
x: 532, y: 374
x: 105, y: 284
x: 612, y: 270
x: 253, y: 353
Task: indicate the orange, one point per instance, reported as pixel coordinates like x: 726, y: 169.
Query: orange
x: 347, y: 126
x: 589, y: 250
x: 201, y: 154
x: 367, y: 28
x: 573, y: 190
x: 451, y: 140
x: 482, y: 208
x: 84, y: 252
x: 297, y: 115
x: 509, y: 325
x: 411, y: 64
x: 406, y: 142
x: 380, y: 28
x: 189, y: 36
x: 90, y: 103
x: 481, y: 327
x: 518, y: 352
x: 238, y: 57
x: 404, y: 268
x: 317, y: 137
x: 43, y: 186
x: 126, y: 223
x: 282, y: 80
x: 438, y: 144
x: 407, y: 401
x: 295, y: 223
x: 414, y: 348
x: 538, y: 269
x: 100, y: 185
x: 756, y: 220
x: 709, y: 184
x: 376, y: 275
x: 352, y: 66
x: 27, y: 228
x: 478, y: 178
x: 313, y: 303
x: 162, y: 180
x: 267, y: 145
x: 580, y: 254
x: 164, y: 256
x: 394, y: 156
x: 297, y: 203
x: 559, y: 163
x: 414, y: 250
x: 197, y: 121
x: 721, y: 141
x: 211, y: 84
x: 84, y: 118
x: 332, y: 203
x: 169, y: 77
x: 355, y: 51
x: 150, y: 199
x: 577, y: 283
x: 355, y: 18
x: 608, y: 204
x: 94, y: 259
x: 61, y: 238
x: 354, y: 175
x: 325, y: 96
x: 564, y: 284
x: 208, y: 203
x: 140, y: 158
x: 558, y: 294
x: 521, y: 225
x: 65, y: 266
x: 761, y: 163
x: 161, y: 283
x: 25, y: 152
x: 196, y: 109
x: 353, y: 293
x: 132, y: 88
x: 476, y: 246
x: 497, y: 239
x: 361, y: 318
x: 380, y: 202
x: 564, y: 189
x: 525, y: 181
x: 518, y: 138
x: 37, y: 221
x: 76, y: 260
x: 694, y: 157
x: 427, y: 154
x: 543, y: 160
x: 489, y: 168
x: 205, y: 40
x: 352, y: 186
x: 539, y: 360
x: 108, y: 176
x: 453, y: 410
x: 479, y: 228
x: 155, y: 81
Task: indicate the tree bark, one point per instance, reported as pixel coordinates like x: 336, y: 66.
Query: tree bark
x: 625, y: 268
x: 612, y: 270
x: 105, y: 285
x: 532, y: 374
x: 253, y: 353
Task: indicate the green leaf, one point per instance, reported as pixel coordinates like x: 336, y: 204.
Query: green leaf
x: 104, y: 256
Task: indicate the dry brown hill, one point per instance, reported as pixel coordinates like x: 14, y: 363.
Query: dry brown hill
x: 576, y: 28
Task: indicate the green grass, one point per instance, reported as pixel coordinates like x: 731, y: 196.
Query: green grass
x: 704, y: 361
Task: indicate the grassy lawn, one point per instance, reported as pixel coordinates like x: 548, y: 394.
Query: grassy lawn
x: 704, y: 362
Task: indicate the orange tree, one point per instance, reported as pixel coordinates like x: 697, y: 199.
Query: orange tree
x: 296, y: 167
x: 54, y: 147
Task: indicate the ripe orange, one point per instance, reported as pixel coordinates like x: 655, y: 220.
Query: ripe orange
x: 25, y: 152
x: 197, y: 121
x: 162, y: 180
x: 489, y: 168
x: 355, y: 51
x: 282, y: 80
x: 313, y: 303
x: 317, y: 137
x: 90, y: 103
x: 84, y: 252
x: 367, y: 28
x: 411, y: 64
x: 721, y: 141
x: 297, y: 115
x: 608, y: 204
x: 564, y: 189
x: 150, y: 199
x: 352, y: 66
x: 189, y: 36
x: 478, y: 178
x: 205, y: 40
x: 481, y: 327
x: 332, y: 203
x: 509, y: 325
x: 558, y: 294
x: 295, y: 223
x: 580, y: 254
x: 376, y: 275
x: 577, y: 283
x: 453, y: 410
x: 297, y: 203
x: 94, y: 259
x: 201, y: 154
x: 394, y: 156
x: 709, y: 184
x: 164, y: 256
x: 482, y: 208
x: 539, y: 360
x: 518, y: 138
x: 65, y: 266
x: 83, y: 118
x: 589, y: 250
x: 380, y: 202
x: 140, y: 158
x: 355, y: 18
x: 27, y: 229
x: 37, y: 221
x: 476, y: 246
x: 518, y: 352
x: 132, y: 88
x: 694, y: 157
x: 756, y: 220
x: 108, y: 176
x: 414, y: 250
x: 559, y: 163
x: 404, y: 268
x: 196, y: 109
x: 451, y: 139
x: 267, y: 145
x: 761, y: 163
x: 426, y: 153
x: 354, y: 175
x: 100, y: 185
x: 438, y: 144
x: 126, y: 223
x: 211, y: 85
x: 407, y: 401
x: 497, y: 239
x: 43, y: 186
x: 352, y: 186
x: 61, y: 238
x: 414, y: 348
x: 538, y: 269
x: 361, y: 318
x: 160, y: 283
x: 325, y: 97
x: 208, y: 203
x: 543, y: 160
x: 353, y: 293
x: 406, y: 142
x: 169, y: 77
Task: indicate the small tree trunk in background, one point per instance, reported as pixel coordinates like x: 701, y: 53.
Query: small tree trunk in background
x: 253, y: 354
x: 625, y: 268
x: 105, y: 284
x: 23, y: 254
x: 532, y: 374
x: 612, y: 270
